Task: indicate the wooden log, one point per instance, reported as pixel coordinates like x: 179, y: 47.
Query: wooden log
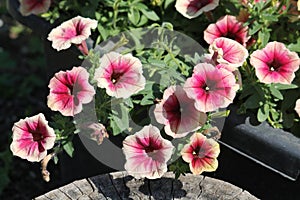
x: 119, y: 186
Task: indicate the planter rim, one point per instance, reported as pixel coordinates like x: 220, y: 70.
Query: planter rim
x: 273, y: 148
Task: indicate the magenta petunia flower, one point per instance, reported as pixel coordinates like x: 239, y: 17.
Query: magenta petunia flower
x: 147, y: 153
x: 193, y: 8
x: 229, y: 27
x: 297, y: 107
x: 178, y: 113
x: 69, y: 90
x: 211, y: 87
x: 73, y: 31
x: 201, y: 154
x: 32, y: 137
x: 275, y: 63
x: 229, y: 52
x: 121, y: 75
x: 35, y: 7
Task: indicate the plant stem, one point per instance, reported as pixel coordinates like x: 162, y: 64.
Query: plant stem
x: 116, y: 12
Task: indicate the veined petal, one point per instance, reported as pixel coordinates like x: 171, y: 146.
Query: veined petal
x: 32, y: 137
x: 194, y: 8
x: 275, y: 63
x: 147, y: 153
x: 121, y: 75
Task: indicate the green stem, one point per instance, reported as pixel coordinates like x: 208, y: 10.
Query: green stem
x: 172, y: 56
x: 116, y: 12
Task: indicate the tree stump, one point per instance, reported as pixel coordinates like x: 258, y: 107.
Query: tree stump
x: 119, y: 185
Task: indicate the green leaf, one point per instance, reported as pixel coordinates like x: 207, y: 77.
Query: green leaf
x: 295, y: 47
x: 156, y: 63
x: 55, y: 159
x: 134, y: 16
x: 256, y: 27
x: 275, y: 92
x: 143, y: 21
x: 247, y: 90
x: 140, y: 6
x: 150, y: 14
x: 119, y: 118
x: 264, y: 37
x: 97, y: 15
x: 147, y: 100
x: 252, y: 102
x: 68, y: 147
x: 280, y: 86
x: 275, y: 114
x: 167, y: 3
x: 263, y: 113
x: 103, y: 32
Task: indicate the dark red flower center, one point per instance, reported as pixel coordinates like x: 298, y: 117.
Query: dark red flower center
x: 150, y: 145
x: 198, y: 4
x: 37, y: 136
x: 233, y: 36
x: 274, y: 65
x: 79, y: 27
x: 115, y: 77
x: 199, y: 152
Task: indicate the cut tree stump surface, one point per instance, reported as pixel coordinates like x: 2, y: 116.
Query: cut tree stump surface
x: 119, y: 185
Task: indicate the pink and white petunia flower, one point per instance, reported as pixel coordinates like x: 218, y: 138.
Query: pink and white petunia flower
x: 193, y: 8
x: 275, y: 63
x: 35, y: 7
x: 201, y: 154
x: 297, y: 107
x: 229, y: 27
x: 178, y: 113
x: 228, y: 52
x: 32, y: 137
x: 211, y: 87
x: 69, y: 90
x: 121, y: 75
x: 147, y: 153
x: 74, y: 31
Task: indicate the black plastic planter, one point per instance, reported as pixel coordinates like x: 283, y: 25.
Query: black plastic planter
x: 259, y: 158
x: 273, y: 148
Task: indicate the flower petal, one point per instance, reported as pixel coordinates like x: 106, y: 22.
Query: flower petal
x: 147, y: 153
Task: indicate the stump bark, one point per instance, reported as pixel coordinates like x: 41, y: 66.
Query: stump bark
x: 119, y: 186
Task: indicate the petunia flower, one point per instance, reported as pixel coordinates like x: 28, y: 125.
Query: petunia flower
x: 275, y: 63
x: 32, y: 137
x: 69, y: 90
x: 121, y: 75
x: 193, y: 8
x: 228, y: 52
x: 297, y: 107
x: 229, y: 27
x: 211, y: 87
x: 74, y: 31
x: 147, y: 153
x: 35, y: 7
x: 201, y: 154
x: 98, y: 132
x: 178, y: 113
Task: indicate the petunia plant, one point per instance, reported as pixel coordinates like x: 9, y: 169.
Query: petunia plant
x: 159, y: 89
